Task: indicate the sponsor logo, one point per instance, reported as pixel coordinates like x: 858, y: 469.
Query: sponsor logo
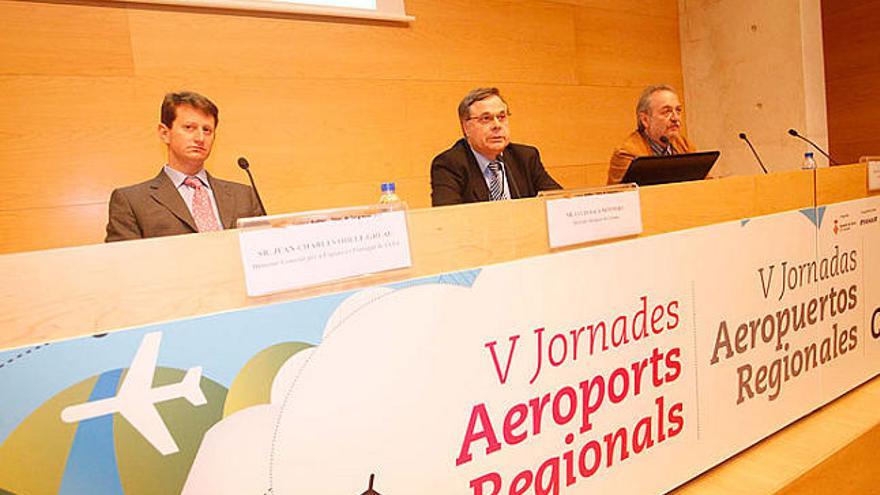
x: 844, y: 223
x: 875, y: 324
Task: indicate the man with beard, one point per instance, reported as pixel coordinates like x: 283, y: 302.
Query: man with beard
x: 658, y: 115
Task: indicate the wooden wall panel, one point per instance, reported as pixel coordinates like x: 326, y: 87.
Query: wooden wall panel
x: 850, y: 46
x: 66, y: 140
x: 852, y: 77
x: 597, y: 174
x: 655, y: 8
x: 54, y: 227
x: 518, y: 41
x: 623, y: 48
x: 573, y: 124
x: 853, y: 114
x: 567, y: 176
x: 57, y: 39
x: 324, y: 110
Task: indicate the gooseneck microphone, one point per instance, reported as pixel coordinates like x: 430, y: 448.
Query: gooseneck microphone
x: 745, y: 138
x: 814, y: 145
x: 243, y: 163
x: 514, y: 193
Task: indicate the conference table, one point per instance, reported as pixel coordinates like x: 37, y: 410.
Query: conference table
x: 94, y: 309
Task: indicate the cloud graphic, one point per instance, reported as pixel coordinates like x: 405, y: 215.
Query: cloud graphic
x: 234, y: 456
x: 352, y: 305
x: 391, y: 388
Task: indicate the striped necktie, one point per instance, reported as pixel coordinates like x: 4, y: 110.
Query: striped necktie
x: 661, y: 149
x: 495, y: 190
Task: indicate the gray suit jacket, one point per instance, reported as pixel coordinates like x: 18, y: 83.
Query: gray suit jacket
x: 154, y: 208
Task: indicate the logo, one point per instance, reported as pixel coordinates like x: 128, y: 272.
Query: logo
x: 844, y: 223
x: 868, y: 217
x: 875, y: 324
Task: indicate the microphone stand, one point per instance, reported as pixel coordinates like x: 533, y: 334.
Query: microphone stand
x: 243, y: 163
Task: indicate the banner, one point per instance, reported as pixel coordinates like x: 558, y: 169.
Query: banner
x: 628, y: 367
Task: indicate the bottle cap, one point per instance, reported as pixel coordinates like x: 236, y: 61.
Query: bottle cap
x: 808, y: 154
x: 388, y: 187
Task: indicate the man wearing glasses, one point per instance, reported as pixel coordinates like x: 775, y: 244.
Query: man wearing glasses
x: 658, y: 115
x: 485, y: 165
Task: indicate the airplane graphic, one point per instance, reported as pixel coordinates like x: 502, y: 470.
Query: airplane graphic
x: 137, y: 399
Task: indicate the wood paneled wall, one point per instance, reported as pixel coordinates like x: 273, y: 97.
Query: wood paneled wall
x: 852, y: 75
x: 325, y: 110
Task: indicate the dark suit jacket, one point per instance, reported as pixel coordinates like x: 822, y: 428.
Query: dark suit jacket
x: 154, y: 208
x: 456, y: 176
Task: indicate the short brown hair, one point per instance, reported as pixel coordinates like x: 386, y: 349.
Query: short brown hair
x: 473, y: 96
x: 195, y: 100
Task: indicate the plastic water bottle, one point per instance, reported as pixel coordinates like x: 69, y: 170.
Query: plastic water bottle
x: 809, y: 162
x: 389, y: 194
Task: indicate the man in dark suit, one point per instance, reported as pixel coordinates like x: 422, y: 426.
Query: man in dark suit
x: 485, y: 165
x: 183, y: 198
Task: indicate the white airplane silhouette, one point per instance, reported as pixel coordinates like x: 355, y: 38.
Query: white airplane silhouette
x: 137, y: 399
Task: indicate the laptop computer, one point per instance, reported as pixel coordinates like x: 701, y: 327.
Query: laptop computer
x: 650, y: 170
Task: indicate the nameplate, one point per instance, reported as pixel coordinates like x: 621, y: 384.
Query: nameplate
x: 593, y: 217
x: 874, y: 175
x: 305, y: 254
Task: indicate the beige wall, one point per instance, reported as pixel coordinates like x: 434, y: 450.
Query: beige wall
x: 754, y: 66
x: 324, y: 110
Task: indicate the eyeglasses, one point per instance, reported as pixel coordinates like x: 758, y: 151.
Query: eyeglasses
x: 488, y: 118
x: 668, y: 112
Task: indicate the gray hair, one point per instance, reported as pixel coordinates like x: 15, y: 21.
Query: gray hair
x: 644, y: 104
x: 473, y: 96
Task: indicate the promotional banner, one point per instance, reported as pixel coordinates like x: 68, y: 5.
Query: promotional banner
x: 627, y: 367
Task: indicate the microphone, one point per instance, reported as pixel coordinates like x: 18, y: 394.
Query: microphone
x: 515, y: 192
x: 745, y: 138
x: 814, y: 145
x: 370, y: 490
x: 243, y: 163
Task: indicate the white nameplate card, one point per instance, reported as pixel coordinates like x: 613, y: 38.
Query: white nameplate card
x: 593, y: 217
x: 874, y: 174
x: 305, y: 254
